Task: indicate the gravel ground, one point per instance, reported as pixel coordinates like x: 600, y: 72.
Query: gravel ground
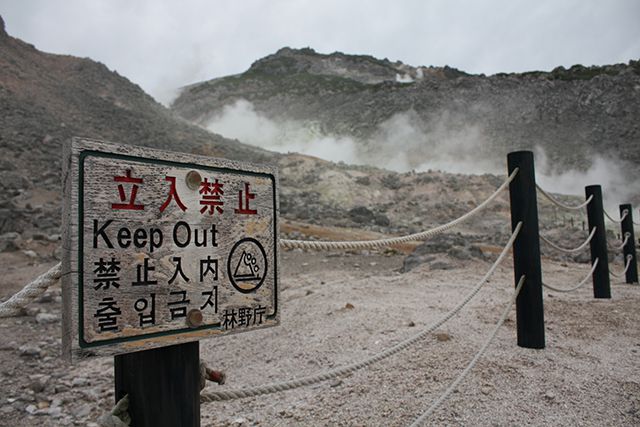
x: 339, y: 308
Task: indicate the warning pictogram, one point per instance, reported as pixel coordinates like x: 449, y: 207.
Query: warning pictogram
x: 247, y: 265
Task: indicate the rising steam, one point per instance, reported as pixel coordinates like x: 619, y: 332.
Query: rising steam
x: 406, y: 142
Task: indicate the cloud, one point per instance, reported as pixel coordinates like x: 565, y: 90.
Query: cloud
x: 163, y: 45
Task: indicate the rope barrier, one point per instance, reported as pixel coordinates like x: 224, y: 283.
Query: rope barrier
x: 118, y: 416
x: 362, y: 244
x: 578, y: 249
x: 422, y: 418
x: 562, y: 205
x: 553, y: 288
x: 14, y: 306
x: 624, y: 215
x: 626, y: 267
x: 16, y: 303
x: 313, y: 379
x: 627, y: 235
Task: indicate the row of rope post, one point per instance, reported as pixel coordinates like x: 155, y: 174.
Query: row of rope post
x: 595, y: 216
x: 524, y: 241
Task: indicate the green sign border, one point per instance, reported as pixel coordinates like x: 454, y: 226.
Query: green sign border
x: 91, y: 153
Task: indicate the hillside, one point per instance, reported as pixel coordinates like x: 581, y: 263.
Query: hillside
x: 572, y: 114
x: 45, y: 99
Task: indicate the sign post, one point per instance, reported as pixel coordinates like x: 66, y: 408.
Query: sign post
x: 163, y: 385
x: 163, y: 249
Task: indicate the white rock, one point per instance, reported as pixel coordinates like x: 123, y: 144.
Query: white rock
x: 30, y: 253
x: 83, y: 411
x: 44, y: 318
x: 79, y: 382
x: 29, y: 350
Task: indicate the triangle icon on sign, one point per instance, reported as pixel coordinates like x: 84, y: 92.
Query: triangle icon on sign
x: 247, y: 268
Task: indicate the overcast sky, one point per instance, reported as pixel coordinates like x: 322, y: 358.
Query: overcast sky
x: 161, y: 45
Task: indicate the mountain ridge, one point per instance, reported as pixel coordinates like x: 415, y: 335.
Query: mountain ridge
x: 594, y: 107
x: 46, y: 99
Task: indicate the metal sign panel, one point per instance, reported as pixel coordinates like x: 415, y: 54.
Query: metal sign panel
x: 163, y: 248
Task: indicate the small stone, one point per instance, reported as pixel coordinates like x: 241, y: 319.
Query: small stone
x: 45, y: 298
x: 411, y: 324
x: 442, y: 336
x: 349, y: 306
x: 37, y: 386
x: 440, y: 265
x: 31, y: 409
x: 30, y: 253
x: 79, y: 382
x: 30, y: 351
x: 240, y: 421
x: 335, y: 383
x: 82, y: 412
x: 55, y: 411
x: 550, y: 395
x: 32, y: 311
x: 45, y: 318
x: 10, y: 242
x: 485, y: 389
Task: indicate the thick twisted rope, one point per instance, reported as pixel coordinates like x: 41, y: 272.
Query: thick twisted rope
x: 362, y: 244
x: 578, y: 249
x: 562, y: 205
x: 118, y: 416
x: 15, y: 305
x: 422, y: 418
x: 626, y: 267
x: 624, y: 215
x: 627, y: 236
x: 573, y: 288
x: 324, y: 376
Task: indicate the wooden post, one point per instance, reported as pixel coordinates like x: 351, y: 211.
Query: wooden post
x: 630, y: 248
x: 163, y: 385
x: 598, y: 246
x: 526, y: 250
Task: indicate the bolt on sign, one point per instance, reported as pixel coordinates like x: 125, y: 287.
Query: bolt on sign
x: 162, y: 248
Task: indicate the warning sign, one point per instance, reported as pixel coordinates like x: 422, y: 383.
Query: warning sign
x: 250, y: 260
x: 163, y: 248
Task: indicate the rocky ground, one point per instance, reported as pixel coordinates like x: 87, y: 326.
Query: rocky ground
x: 338, y: 307
x: 342, y: 307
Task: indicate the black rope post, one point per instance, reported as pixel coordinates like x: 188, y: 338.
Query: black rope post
x: 595, y: 218
x: 629, y: 249
x: 526, y: 250
x: 163, y: 385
